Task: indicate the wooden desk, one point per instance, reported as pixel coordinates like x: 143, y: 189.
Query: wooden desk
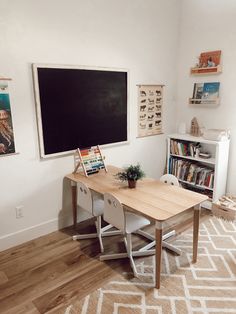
x: 151, y: 198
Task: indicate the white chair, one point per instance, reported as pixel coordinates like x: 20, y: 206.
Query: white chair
x: 171, y: 180
x: 94, y: 204
x: 126, y: 222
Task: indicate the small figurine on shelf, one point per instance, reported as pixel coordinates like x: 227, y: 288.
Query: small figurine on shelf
x: 210, y: 62
x: 198, y: 64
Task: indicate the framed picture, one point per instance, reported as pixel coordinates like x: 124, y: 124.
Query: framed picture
x: 7, y: 142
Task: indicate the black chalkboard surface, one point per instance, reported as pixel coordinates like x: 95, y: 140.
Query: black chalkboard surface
x: 79, y: 108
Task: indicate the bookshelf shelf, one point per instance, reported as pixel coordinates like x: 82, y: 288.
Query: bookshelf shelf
x: 207, y: 176
x: 197, y: 186
x: 210, y: 161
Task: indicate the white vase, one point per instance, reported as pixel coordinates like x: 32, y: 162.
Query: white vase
x: 182, y: 128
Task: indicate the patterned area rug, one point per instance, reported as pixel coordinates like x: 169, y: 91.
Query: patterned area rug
x: 209, y: 286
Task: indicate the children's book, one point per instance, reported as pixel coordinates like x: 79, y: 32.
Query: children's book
x: 205, y: 92
x: 209, y: 62
x: 211, y: 91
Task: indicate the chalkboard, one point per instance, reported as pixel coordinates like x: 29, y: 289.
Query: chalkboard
x: 79, y: 108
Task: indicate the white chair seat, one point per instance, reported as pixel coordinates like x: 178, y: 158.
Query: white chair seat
x: 135, y: 222
x: 93, y: 203
x: 98, y: 207
x: 127, y: 223
x: 98, y: 204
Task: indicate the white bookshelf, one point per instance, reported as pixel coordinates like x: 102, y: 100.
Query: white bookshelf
x: 218, y: 163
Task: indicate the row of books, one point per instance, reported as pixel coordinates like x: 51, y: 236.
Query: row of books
x: 183, y: 148
x: 192, y: 173
x: 209, y: 193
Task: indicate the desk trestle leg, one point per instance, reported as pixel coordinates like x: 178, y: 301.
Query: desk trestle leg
x: 158, y: 253
x: 196, y: 217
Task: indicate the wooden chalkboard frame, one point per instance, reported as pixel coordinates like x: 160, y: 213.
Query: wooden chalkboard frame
x: 35, y: 67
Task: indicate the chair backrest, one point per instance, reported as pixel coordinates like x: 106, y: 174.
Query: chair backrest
x: 84, y: 197
x: 114, y: 212
x: 169, y: 179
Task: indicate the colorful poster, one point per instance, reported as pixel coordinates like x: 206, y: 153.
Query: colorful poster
x: 150, y: 110
x: 7, y: 143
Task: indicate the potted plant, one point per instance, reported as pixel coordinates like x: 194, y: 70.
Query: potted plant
x: 131, y: 174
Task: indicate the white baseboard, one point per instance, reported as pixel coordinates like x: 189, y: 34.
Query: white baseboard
x: 27, y: 234
x: 24, y: 235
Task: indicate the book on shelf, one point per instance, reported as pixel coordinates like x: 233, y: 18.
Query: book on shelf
x: 205, y: 92
x: 182, y: 148
x: 209, y: 62
x: 210, y: 59
x: 192, y: 173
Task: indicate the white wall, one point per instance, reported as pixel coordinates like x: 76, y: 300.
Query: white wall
x: 139, y: 35
x: 209, y: 25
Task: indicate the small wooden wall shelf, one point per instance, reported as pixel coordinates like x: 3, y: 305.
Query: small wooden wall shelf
x: 206, y: 70
x: 197, y: 101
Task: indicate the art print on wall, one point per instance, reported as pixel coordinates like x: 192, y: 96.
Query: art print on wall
x: 150, y: 110
x: 7, y: 143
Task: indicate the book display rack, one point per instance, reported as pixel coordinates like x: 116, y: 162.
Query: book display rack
x: 205, y: 93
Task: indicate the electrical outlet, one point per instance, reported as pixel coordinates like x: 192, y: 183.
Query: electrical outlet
x: 19, y: 211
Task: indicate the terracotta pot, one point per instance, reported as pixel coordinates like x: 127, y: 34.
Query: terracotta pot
x: 132, y: 184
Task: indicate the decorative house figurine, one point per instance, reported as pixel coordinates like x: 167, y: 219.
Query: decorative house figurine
x: 195, y: 128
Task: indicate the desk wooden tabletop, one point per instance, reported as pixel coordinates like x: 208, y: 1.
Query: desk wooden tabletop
x: 151, y: 197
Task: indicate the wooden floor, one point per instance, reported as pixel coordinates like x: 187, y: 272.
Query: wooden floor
x: 46, y: 274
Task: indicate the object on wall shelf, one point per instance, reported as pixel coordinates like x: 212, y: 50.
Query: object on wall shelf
x: 7, y: 142
x: 150, y: 101
x: 205, y: 94
x: 209, y: 63
x: 203, y: 175
x: 89, y: 159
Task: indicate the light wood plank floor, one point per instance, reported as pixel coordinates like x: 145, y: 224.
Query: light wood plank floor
x: 44, y: 275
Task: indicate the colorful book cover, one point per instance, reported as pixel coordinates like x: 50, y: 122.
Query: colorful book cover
x: 198, y: 90
x: 211, y: 91
x: 210, y: 58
